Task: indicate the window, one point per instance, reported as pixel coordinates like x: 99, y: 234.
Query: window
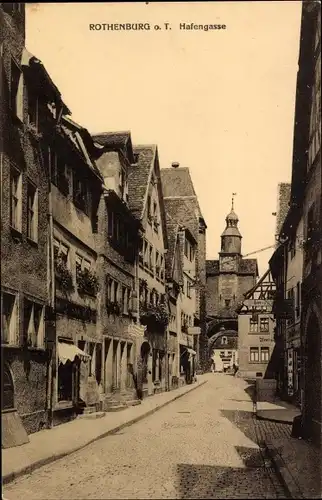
x: 224, y: 340
x: 125, y: 299
x: 33, y: 110
x: 254, y: 354
x: 33, y: 324
x: 292, y: 248
x: 149, y: 207
x: 192, y: 253
x: 9, y: 319
x: 16, y: 90
x: 61, y: 251
x: 188, y: 289
x: 32, y: 209
x: 80, y: 193
x: 264, y: 354
x: 61, y: 175
x: 227, y: 303
x: 82, y: 264
x: 16, y: 198
x: 151, y: 257
x: 264, y: 324
x: 186, y: 247
x: 253, y: 325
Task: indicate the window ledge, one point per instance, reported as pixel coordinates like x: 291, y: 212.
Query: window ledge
x: 16, y: 233
x: 63, y: 405
x: 32, y: 242
x: 10, y: 346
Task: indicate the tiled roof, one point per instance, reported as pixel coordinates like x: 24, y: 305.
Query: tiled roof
x: 74, y: 133
x: 283, y: 198
x: 183, y: 211
x: 212, y: 267
x: 177, y: 182
x: 248, y: 266
x: 113, y: 139
x: 139, y: 176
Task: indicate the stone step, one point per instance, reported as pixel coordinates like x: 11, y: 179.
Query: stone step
x: 89, y: 409
x: 133, y: 402
x: 94, y: 415
x: 115, y: 408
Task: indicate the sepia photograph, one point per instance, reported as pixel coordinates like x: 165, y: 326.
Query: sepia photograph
x: 161, y: 250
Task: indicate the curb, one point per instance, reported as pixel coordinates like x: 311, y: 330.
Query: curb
x: 45, y: 461
x: 286, y: 479
x: 276, y: 420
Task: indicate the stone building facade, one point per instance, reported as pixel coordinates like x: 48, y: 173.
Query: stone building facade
x: 181, y: 198
x: 75, y: 190
x: 146, y: 204
x: 117, y: 243
x: 300, y: 236
x: 228, y: 279
x: 30, y: 109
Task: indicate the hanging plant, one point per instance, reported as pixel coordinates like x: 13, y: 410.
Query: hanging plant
x: 150, y: 314
x: 143, y: 285
x: 87, y: 282
x: 63, y: 275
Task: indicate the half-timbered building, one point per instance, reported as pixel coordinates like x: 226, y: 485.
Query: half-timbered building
x: 256, y: 330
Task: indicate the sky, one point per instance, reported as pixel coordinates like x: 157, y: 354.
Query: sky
x: 220, y: 102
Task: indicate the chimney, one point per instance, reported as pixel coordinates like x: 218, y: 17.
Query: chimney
x: 175, y: 164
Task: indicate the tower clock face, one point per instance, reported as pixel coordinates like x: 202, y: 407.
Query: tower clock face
x: 228, y: 263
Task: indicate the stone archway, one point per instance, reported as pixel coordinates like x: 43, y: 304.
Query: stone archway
x: 313, y: 379
x: 8, y: 399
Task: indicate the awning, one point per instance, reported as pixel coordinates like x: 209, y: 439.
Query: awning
x: 68, y: 352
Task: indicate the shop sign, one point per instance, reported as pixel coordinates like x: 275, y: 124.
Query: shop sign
x: 290, y: 372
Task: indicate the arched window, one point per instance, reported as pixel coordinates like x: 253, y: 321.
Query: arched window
x: 8, y: 390
x: 224, y: 340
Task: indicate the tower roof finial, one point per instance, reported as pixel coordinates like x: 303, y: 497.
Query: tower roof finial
x: 232, y: 201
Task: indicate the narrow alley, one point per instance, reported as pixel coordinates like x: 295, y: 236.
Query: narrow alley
x: 204, y: 445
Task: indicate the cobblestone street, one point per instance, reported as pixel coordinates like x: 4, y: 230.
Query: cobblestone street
x: 203, y: 445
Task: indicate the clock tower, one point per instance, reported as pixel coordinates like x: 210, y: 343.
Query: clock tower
x: 230, y: 253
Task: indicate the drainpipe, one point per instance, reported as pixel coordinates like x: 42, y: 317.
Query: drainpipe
x: 51, y: 296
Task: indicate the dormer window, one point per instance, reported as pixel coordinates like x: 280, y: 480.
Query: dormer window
x: 224, y: 340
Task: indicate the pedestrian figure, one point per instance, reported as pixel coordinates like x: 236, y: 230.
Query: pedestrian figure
x: 138, y: 390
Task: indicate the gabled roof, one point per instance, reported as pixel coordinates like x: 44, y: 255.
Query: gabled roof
x: 183, y: 211
x: 116, y: 141
x: 248, y: 266
x: 177, y: 184
x: 139, y: 178
x: 212, y: 267
x: 32, y: 64
x: 173, y: 229
x: 77, y: 136
x: 262, y: 280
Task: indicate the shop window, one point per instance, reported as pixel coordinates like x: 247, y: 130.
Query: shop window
x: 254, y: 354
x: 9, y: 319
x: 16, y: 199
